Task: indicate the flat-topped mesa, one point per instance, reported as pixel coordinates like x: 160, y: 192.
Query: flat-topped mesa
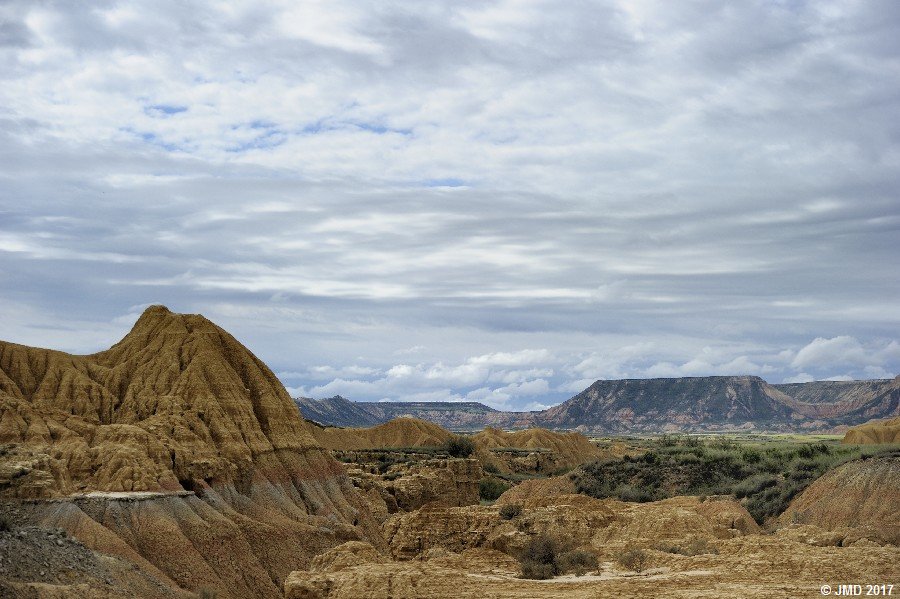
x: 177, y: 399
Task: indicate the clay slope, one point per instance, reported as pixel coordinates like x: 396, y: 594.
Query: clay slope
x: 862, y: 495
x: 875, y: 432
x: 400, y: 432
x: 220, y: 482
x: 565, y: 450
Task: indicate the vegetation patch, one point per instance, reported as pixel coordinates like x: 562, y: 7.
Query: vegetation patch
x: 490, y: 488
x: 459, y: 446
x: 764, y: 476
x: 545, y: 557
x: 510, y: 511
x: 695, y: 546
x: 519, y: 451
x: 633, y: 559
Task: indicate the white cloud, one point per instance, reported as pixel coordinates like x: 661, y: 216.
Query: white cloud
x: 803, y: 377
x: 403, y: 197
x: 843, y: 351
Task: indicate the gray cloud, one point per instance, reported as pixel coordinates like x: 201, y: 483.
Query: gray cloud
x: 633, y: 188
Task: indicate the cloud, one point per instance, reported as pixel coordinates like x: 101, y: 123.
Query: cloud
x: 803, y: 377
x: 479, y: 195
x: 843, y: 351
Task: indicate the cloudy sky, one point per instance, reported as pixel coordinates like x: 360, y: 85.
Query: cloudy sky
x: 499, y: 201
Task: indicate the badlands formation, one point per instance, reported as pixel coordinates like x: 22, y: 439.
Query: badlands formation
x: 875, y: 432
x: 175, y: 464
x: 175, y: 457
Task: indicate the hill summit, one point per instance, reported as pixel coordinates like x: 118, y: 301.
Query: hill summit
x: 178, y: 400
x: 176, y: 450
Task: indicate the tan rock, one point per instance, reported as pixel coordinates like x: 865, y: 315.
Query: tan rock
x: 206, y: 472
x: 535, y: 450
x: 875, y: 431
x: 863, y: 495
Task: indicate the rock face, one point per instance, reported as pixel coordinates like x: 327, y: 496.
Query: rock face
x: 582, y: 522
x: 469, y: 553
x: 216, y: 480
x: 653, y: 405
x: 457, y: 416
x: 672, y: 404
x: 845, y: 401
x: 861, y: 499
x: 355, y: 570
x: 337, y: 411
x: 876, y: 432
x: 536, y: 450
x: 445, y: 482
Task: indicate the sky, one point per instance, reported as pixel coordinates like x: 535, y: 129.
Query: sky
x: 496, y: 201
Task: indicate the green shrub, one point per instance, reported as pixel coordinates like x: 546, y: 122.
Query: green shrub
x: 699, y: 546
x: 752, y: 485
x: 510, y: 511
x: 634, y: 495
x: 695, y: 546
x: 633, y: 559
x: 536, y: 571
x: 579, y: 562
x: 459, y: 446
x: 765, y: 476
x: 539, y: 560
x: 490, y: 488
x: 491, y: 468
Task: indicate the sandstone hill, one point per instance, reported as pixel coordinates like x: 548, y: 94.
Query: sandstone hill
x: 536, y: 450
x: 531, y: 451
x: 399, y: 432
x: 875, y: 432
x: 176, y: 450
x: 860, y: 499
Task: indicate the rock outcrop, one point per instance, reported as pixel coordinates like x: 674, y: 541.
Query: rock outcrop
x: 603, y: 526
x: 860, y: 499
x: 443, y: 482
x: 535, y: 450
x: 874, y: 433
x: 176, y: 449
x: 399, y: 432
x: 694, y: 548
x: 355, y: 570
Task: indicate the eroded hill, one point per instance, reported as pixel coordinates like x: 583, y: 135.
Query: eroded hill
x: 176, y: 450
x: 875, y: 433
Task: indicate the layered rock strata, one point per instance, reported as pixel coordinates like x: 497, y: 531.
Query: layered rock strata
x: 178, y: 450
